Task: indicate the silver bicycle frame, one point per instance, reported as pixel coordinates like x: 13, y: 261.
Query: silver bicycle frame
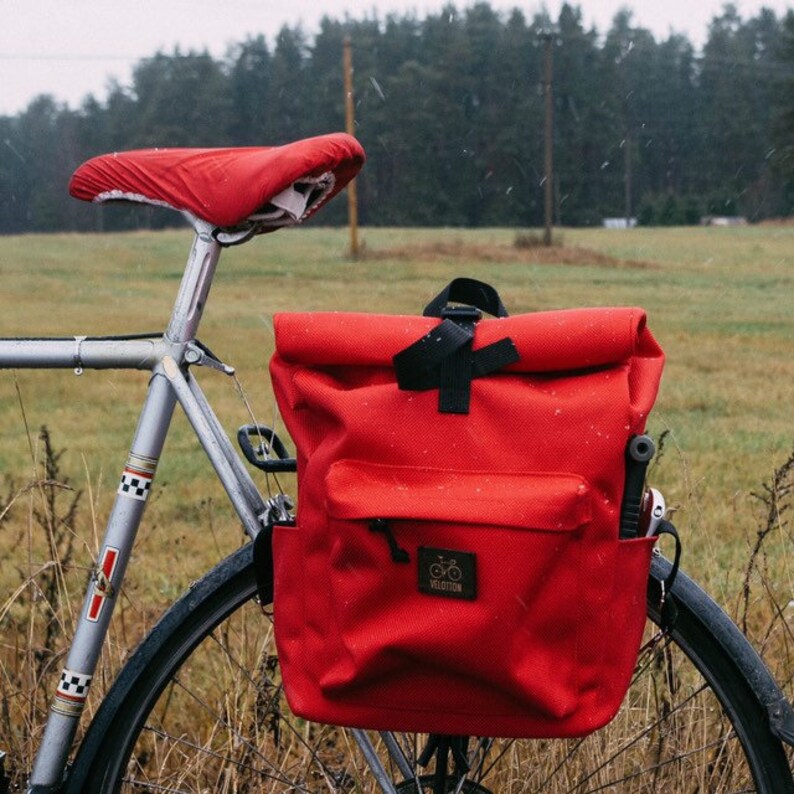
x: 168, y: 358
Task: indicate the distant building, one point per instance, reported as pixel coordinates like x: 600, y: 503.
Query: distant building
x: 619, y: 223
x: 723, y: 220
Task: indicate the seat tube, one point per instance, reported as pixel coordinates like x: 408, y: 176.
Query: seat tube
x: 133, y: 490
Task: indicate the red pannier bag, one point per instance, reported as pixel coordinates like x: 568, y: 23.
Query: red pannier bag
x: 456, y: 566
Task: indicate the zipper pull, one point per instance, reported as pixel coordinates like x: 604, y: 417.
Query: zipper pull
x: 397, y: 554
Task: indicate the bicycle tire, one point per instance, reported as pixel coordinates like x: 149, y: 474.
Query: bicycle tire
x: 732, y: 705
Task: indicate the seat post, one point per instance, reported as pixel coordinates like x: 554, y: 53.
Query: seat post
x: 195, y: 286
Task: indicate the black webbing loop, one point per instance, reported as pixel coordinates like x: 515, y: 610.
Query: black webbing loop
x: 468, y: 291
x: 669, y: 611
x: 263, y: 564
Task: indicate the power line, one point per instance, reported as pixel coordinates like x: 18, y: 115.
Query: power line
x: 75, y: 58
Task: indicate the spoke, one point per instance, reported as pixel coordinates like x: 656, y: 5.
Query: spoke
x: 180, y: 741
x: 240, y: 667
x: 629, y: 744
x: 277, y: 774
x: 660, y: 765
x: 502, y: 752
x: 153, y: 786
x: 645, y: 659
x: 643, y: 665
x: 483, y: 748
x: 569, y: 755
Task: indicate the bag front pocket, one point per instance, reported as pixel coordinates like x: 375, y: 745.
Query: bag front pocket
x: 455, y: 591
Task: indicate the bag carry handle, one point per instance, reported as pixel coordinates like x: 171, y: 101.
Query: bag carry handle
x: 469, y: 291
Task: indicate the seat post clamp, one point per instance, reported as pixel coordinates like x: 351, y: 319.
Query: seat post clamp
x: 78, y: 361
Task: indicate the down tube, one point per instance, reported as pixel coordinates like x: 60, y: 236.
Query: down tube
x: 72, y: 690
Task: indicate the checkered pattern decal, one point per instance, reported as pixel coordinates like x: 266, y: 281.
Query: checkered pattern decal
x: 71, y: 694
x: 73, y: 686
x: 135, y: 485
x: 136, y: 479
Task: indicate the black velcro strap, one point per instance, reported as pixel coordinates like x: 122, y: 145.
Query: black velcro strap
x: 444, y: 358
x: 454, y: 391
x: 417, y: 366
x: 493, y: 357
x: 454, y: 382
x: 423, y: 366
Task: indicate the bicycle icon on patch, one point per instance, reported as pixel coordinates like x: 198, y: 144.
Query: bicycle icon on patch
x: 446, y: 569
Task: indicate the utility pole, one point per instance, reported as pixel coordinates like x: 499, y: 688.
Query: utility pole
x: 548, y: 94
x: 627, y: 176
x: 350, y: 123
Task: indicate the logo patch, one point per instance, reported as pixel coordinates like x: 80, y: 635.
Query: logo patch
x: 448, y: 573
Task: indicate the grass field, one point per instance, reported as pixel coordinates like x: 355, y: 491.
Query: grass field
x: 720, y: 302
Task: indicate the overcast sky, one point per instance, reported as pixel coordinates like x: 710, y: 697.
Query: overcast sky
x: 71, y: 48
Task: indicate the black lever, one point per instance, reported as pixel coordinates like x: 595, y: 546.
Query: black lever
x: 639, y: 452
x: 268, y: 444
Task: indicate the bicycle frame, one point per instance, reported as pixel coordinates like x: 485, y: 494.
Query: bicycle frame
x: 168, y: 358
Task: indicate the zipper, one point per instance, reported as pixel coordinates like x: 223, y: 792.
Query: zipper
x: 397, y: 554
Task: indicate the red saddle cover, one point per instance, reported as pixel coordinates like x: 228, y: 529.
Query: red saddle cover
x: 221, y: 186
x: 461, y: 573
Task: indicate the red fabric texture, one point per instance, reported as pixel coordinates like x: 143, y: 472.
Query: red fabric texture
x: 221, y: 186
x: 529, y: 481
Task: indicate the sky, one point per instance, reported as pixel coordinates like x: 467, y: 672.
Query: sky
x: 73, y: 48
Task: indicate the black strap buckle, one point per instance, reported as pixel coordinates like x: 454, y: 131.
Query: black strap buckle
x: 462, y: 314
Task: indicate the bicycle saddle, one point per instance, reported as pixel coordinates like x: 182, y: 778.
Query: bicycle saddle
x: 252, y: 189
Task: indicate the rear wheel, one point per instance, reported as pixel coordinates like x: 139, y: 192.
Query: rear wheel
x: 199, y: 708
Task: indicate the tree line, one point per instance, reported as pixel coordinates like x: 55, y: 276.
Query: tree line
x: 450, y: 110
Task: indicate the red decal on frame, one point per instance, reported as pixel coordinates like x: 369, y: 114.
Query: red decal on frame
x: 102, y: 583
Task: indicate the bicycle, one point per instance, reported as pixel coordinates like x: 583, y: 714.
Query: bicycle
x: 702, y: 708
